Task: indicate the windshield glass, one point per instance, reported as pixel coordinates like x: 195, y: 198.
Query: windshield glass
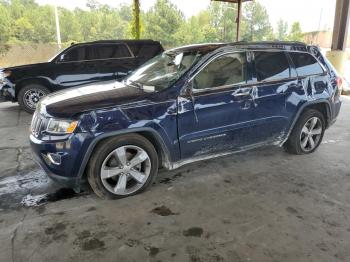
x: 163, y: 70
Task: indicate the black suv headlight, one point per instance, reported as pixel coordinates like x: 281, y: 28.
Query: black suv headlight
x: 61, y: 126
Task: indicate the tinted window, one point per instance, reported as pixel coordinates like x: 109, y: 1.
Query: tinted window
x: 75, y: 54
x: 111, y: 51
x: 271, y: 65
x: 145, y: 50
x: 224, y: 70
x: 306, y: 64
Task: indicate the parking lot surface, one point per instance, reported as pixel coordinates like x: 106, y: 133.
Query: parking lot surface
x: 262, y: 205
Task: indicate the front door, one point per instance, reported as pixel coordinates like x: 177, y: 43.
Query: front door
x: 76, y: 67
x: 217, y: 115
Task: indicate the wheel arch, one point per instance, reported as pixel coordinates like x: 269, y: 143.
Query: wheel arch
x: 39, y: 80
x: 322, y: 106
x: 148, y: 133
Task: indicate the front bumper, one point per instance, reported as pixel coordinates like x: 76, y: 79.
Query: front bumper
x: 70, y: 152
x: 6, y: 92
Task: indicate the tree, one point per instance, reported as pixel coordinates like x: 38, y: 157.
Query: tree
x: 162, y: 21
x: 255, y: 23
x: 222, y: 18
x: 282, y: 30
x: 295, y: 33
x: 135, y: 24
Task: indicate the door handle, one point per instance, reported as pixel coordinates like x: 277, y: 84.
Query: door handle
x: 242, y: 92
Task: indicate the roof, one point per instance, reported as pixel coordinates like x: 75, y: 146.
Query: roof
x: 208, y: 47
x: 231, y: 1
x: 120, y: 41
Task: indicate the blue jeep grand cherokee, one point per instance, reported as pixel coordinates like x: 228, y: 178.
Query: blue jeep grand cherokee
x: 187, y: 104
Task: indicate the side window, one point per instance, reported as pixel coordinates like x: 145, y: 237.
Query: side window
x: 108, y: 51
x: 306, y: 64
x: 225, y: 70
x: 75, y: 54
x: 271, y: 66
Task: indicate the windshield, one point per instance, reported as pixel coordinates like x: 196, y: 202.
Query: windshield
x: 163, y: 70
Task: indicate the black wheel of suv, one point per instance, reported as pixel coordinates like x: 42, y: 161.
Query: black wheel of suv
x: 307, y: 134
x: 122, y: 166
x: 30, y: 95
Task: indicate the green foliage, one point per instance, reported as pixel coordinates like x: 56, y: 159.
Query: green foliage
x: 282, y: 30
x: 24, y: 21
x: 255, y: 23
x: 295, y: 33
x: 162, y: 22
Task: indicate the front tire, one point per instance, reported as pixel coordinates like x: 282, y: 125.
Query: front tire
x: 307, y: 133
x: 30, y: 95
x: 122, y: 166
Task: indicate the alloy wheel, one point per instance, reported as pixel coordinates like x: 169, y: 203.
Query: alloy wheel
x: 32, y: 97
x: 311, y: 134
x: 125, y: 170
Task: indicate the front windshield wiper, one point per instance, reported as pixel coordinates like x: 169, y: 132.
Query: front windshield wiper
x: 134, y: 84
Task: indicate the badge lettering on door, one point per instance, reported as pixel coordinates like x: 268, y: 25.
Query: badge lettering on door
x: 205, y: 138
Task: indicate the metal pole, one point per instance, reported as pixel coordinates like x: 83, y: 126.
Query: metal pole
x: 341, y: 22
x: 58, y: 33
x: 239, y: 15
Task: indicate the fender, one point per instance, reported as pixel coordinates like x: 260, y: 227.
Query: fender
x: 301, y: 109
x: 164, y: 150
x: 39, y: 79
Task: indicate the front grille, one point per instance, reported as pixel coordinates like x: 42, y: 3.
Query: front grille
x: 36, y: 125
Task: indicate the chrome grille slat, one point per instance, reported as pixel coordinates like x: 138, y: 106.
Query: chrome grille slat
x: 36, y: 124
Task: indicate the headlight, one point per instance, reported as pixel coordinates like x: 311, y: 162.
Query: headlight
x: 61, y: 127
x: 5, y: 73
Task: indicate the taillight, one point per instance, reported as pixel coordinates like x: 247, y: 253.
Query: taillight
x: 339, y: 82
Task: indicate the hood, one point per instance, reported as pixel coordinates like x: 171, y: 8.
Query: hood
x: 29, y: 66
x: 67, y: 103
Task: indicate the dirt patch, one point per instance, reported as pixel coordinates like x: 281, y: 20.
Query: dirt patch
x: 93, y: 244
x: 169, y: 180
x: 163, y: 211
x: 153, y: 251
x: 56, y: 228
x: 193, y: 232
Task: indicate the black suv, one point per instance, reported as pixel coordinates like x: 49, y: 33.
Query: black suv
x: 79, y: 64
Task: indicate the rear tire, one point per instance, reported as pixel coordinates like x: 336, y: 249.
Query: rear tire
x: 307, y: 133
x: 122, y: 166
x: 30, y: 95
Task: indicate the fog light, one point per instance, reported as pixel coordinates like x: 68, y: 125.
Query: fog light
x: 54, y: 158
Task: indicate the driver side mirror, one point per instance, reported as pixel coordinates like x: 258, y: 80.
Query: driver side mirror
x: 188, y: 90
x: 61, y: 58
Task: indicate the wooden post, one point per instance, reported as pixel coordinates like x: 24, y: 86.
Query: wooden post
x: 238, y: 21
x: 341, y: 22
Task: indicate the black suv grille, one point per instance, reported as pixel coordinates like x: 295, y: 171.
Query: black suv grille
x: 37, y: 124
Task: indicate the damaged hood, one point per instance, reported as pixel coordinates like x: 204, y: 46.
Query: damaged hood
x: 67, y: 103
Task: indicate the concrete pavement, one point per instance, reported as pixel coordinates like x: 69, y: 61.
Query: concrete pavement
x: 262, y: 205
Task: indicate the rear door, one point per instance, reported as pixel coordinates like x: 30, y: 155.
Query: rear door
x: 114, y: 61
x: 275, y: 80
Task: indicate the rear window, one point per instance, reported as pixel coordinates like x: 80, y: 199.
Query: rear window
x: 306, y: 64
x: 271, y: 65
x: 108, y: 51
x: 145, y: 50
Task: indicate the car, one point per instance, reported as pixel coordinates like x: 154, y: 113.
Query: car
x: 187, y: 104
x: 79, y: 64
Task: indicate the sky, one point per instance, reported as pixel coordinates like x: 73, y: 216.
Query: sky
x: 313, y: 15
